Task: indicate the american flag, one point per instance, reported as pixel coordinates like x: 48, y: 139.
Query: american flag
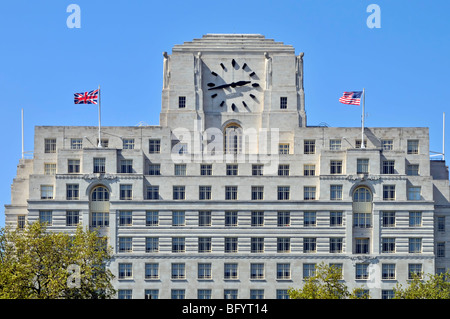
x: 352, y: 98
x: 87, y: 97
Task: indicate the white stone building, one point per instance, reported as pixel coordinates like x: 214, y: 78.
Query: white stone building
x: 233, y: 195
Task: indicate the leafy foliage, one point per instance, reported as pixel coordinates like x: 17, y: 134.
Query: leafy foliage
x: 435, y: 287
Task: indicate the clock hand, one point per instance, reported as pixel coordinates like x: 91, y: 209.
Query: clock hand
x: 233, y: 84
x: 220, y: 86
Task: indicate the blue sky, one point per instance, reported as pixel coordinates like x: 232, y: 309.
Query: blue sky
x: 404, y: 65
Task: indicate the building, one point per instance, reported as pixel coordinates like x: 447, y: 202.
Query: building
x: 233, y: 195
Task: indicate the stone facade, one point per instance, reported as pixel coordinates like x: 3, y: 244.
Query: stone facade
x: 233, y: 195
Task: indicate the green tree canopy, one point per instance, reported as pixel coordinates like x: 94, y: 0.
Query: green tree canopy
x: 36, y: 264
x: 436, y: 286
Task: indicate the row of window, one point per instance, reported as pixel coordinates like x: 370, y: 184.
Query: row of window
x: 309, y: 146
x: 231, y: 192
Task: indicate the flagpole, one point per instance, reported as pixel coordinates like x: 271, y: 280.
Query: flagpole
x: 99, y: 119
x: 362, y: 119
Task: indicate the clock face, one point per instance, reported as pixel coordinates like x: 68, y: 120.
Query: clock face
x: 231, y: 85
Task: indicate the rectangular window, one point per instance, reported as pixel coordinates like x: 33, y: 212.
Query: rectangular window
x: 125, y: 271
x: 309, y: 245
x: 21, y: 221
x: 358, y: 144
x: 204, y: 293
x: 309, y: 146
x: 230, y: 294
x: 178, y: 218
x: 231, y: 219
x: 178, y: 245
x: 388, y: 219
x: 414, y: 193
x: 50, y: 145
x: 154, y: 146
x: 231, y: 192
x: 415, y: 219
x: 309, y: 270
x: 361, y: 245
x: 283, y: 170
x: 128, y: 143
x: 46, y: 191
x: 362, y: 166
x: 336, y: 245
x: 388, y: 192
x: 230, y: 271
x: 387, y: 145
x: 257, y: 192
x: 335, y: 145
x: 126, y: 166
x: 335, y: 219
x: 335, y: 192
x: 76, y: 143
x: 415, y: 270
x: 181, y: 102
x: 362, y: 220
x: 204, y: 244
x: 153, y: 192
x: 335, y: 167
x: 204, y: 192
x: 151, y: 244
x: 309, y: 192
x: 46, y: 216
x: 180, y: 170
x: 99, y: 165
x: 257, y: 219
x: 125, y: 244
x: 283, y: 244
x: 283, y: 219
x: 413, y: 147
x: 256, y: 293
x: 204, y: 218
x: 104, y: 142
x: 100, y: 219
x: 309, y: 219
x: 257, y: 244
x: 257, y: 169
x: 204, y: 271
x: 178, y: 271
x: 388, y: 167
x: 309, y: 170
x: 50, y: 168
x: 125, y: 218
x: 232, y: 169
x: 126, y: 192
x: 72, y: 192
x: 231, y: 245
x: 283, y: 192
x: 177, y: 293
x: 154, y: 169
x: 73, y: 166
x: 362, y: 271
x: 388, y: 245
x: 179, y: 192
x: 441, y: 223
x: 283, y: 102
x: 283, y: 271
x: 283, y: 148
x: 151, y: 271
x: 72, y: 217
x: 206, y: 169
x: 412, y: 170
x: 256, y: 271
x: 440, y: 249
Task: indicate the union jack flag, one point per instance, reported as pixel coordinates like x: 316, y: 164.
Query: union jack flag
x: 352, y: 98
x: 87, y: 97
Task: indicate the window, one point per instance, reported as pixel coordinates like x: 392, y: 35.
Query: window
x: 125, y: 244
x: 233, y: 139
x: 21, y: 221
x: 336, y: 245
x: 414, y: 193
x: 283, y: 170
x: 231, y: 192
x: 128, y: 143
x: 76, y: 143
x: 125, y: 271
x: 256, y: 271
x: 362, y: 220
x: 309, y: 219
x: 125, y: 294
x: 72, y: 192
x: 181, y: 102
x: 153, y: 192
x: 179, y: 193
x: 283, y: 148
x: 414, y: 270
x: 100, y: 219
x: 415, y: 219
x: 415, y: 245
x: 283, y: 219
x: 126, y: 192
x: 309, y: 270
x: 50, y: 145
x: 46, y: 191
x: 177, y: 294
x: 388, y: 167
x: 388, y: 219
x: 361, y: 245
x: 204, y: 218
x: 154, y: 169
x: 125, y: 218
x: 154, y: 146
x: 256, y: 293
x: 126, y: 166
x: 335, y: 219
x: 257, y: 219
x: 412, y: 169
x: 362, y: 166
x: 309, y: 192
x: 309, y: 245
x: 232, y: 169
x: 440, y: 249
x: 152, y: 271
x: 257, y: 244
x: 204, y: 244
x: 413, y: 147
x: 441, y: 223
x: 104, y: 142
x: 335, y: 192
x: 204, y: 271
x: 309, y: 170
x: 388, y: 245
x: 72, y: 217
x: 178, y: 218
x: 362, y: 271
x: 50, y: 169
x: 388, y: 271
x: 257, y: 192
x: 282, y: 294
x: 230, y: 294
x: 206, y: 169
x: 309, y: 146
x: 388, y: 192
x: 231, y: 245
x: 335, y: 145
x: 335, y: 167
x: 362, y: 194
x: 283, y: 102
x: 151, y: 244
x: 204, y: 192
x: 283, y: 245
x: 358, y: 144
x: 178, y: 245
x: 283, y: 271
x: 387, y: 145
x: 99, y: 165
x: 73, y: 166
x: 231, y: 219
x: 178, y: 271
x: 257, y: 169
x: 230, y: 271
x: 283, y: 192
x: 46, y: 216
x: 180, y: 169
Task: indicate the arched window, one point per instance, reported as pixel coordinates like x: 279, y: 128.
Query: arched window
x: 100, y: 194
x: 362, y: 207
x: 99, y: 207
x: 233, y: 139
x: 362, y: 195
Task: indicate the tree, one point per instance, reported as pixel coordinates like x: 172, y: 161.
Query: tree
x: 36, y: 264
x: 325, y: 284
x: 435, y: 287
